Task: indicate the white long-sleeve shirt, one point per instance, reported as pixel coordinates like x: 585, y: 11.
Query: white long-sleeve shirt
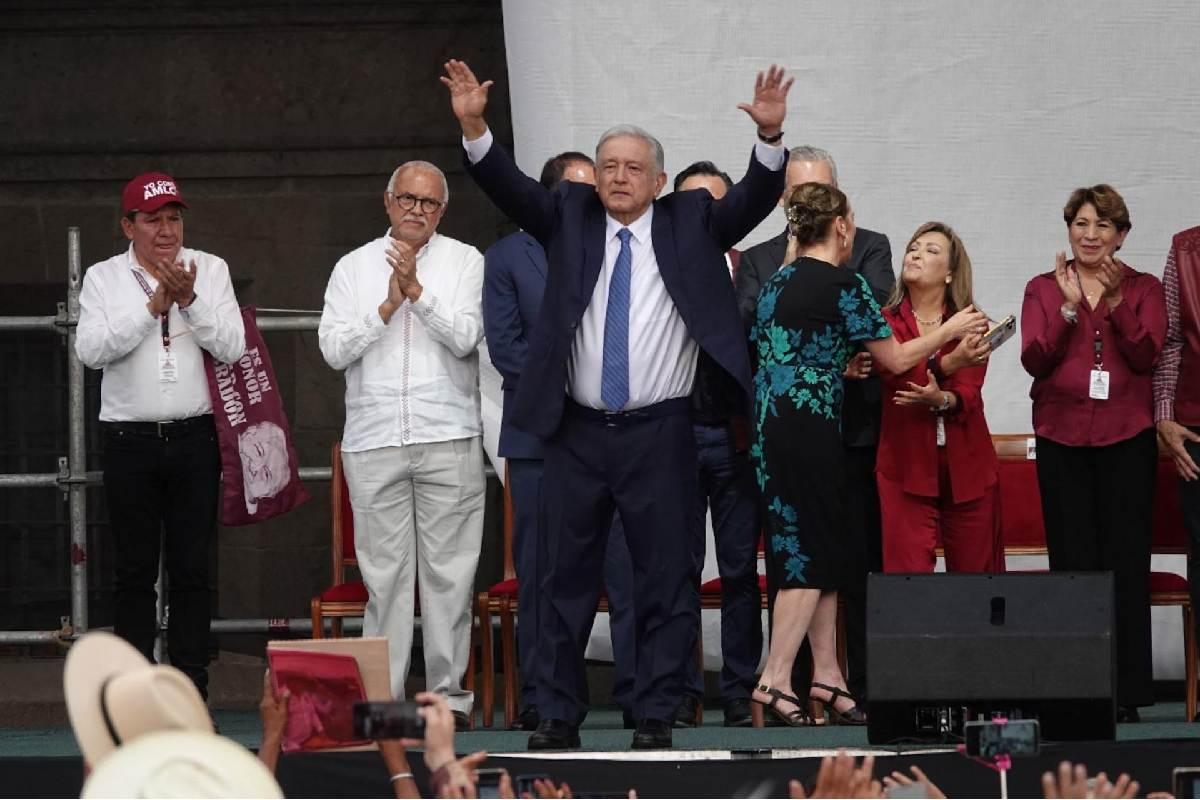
x: 118, y: 334
x: 415, y: 379
x: 662, y: 354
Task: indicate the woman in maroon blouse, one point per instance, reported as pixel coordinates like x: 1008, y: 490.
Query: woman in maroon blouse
x: 1090, y: 333
x: 936, y: 465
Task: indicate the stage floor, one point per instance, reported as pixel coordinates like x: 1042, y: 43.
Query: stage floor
x: 710, y: 761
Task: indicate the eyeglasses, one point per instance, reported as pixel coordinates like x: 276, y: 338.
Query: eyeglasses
x: 409, y: 201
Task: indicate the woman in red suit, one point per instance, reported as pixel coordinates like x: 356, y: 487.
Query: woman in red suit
x: 936, y: 465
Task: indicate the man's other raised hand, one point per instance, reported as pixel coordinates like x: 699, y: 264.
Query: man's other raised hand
x: 468, y: 97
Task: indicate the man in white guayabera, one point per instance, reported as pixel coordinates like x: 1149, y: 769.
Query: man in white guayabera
x: 403, y: 318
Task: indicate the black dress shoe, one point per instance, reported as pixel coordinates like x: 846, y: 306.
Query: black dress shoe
x: 737, y: 713
x: 627, y: 720
x: 652, y: 734
x: 462, y: 721
x: 1128, y: 714
x: 554, y: 734
x: 527, y: 720
x: 688, y: 715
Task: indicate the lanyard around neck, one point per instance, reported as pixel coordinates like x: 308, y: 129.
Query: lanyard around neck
x: 166, y: 315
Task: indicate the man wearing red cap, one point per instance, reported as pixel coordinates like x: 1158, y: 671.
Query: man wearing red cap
x: 145, y: 317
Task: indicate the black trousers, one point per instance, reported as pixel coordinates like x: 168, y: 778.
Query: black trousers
x: 164, y: 489
x: 1189, y: 504
x: 865, y: 529
x: 1096, y: 505
x: 642, y: 465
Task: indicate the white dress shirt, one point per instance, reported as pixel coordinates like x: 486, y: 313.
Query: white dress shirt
x: 415, y: 379
x: 662, y: 354
x: 118, y: 334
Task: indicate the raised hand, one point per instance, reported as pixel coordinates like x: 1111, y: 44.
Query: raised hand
x: 898, y: 778
x: 770, y: 101
x: 1068, y: 281
x: 468, y: 97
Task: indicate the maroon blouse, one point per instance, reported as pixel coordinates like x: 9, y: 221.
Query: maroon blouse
x: 1061, y: 356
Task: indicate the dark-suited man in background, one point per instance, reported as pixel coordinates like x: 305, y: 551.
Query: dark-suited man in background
x: 636, y: 287
x: 514, y: 278
x: 727, y: 490
x: 861, y: 410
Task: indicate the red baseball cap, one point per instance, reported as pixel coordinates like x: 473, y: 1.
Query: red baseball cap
x: 149, y: 192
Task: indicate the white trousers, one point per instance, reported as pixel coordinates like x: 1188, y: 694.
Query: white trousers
x: 418, y: 518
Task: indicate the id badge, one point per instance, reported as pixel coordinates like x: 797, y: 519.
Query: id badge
x: 1099, y: 385
x: 168, y: 367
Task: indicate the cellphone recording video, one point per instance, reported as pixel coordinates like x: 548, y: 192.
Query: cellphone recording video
x: 1001, y: 332
x: 487, y: 781
x: 990, y: 739
x: 1186, y: 781
x: 400, y: 719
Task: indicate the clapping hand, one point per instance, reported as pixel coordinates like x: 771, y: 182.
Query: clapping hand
x: 180, y: 280
x: 840, y: 777
x: 1110, y: 274
x: 1067, y: 279
x: 770, y: 101
x: 468, y: 97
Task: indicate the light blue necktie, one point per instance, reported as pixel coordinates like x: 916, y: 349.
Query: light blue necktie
x: 614, y: 373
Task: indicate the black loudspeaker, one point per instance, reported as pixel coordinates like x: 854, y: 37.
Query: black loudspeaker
x: 942, y: 649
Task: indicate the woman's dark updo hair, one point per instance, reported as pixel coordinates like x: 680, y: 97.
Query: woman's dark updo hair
x: 812, y: 208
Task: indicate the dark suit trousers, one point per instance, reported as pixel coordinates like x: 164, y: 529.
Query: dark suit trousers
x: 1097, y: 504
x: 727, y: 488
x: 644, y: 469
x: 1189, y: 504
x: 866, y: 556
x: 525, y: 479
x: 164, y: 492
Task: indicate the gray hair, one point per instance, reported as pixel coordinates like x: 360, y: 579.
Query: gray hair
x: 425, y: 165
x: 807, y: 152
x: 637, y: 133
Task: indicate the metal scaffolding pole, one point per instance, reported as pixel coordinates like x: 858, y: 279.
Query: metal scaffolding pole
x: 76, y: 443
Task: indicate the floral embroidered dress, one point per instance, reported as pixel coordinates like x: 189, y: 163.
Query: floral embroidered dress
x: 810, y: 315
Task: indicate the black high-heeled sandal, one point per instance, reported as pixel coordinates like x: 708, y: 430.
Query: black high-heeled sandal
x: 793, y: 719
x: 854, y: 716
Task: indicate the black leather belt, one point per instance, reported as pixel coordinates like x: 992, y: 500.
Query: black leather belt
x: 666, y: 408
x: 162, y: 430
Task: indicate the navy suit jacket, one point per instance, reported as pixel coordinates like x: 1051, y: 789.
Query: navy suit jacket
x: 514, y: 277
x: 690, y: 234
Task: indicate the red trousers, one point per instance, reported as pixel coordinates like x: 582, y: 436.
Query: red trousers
x: 970, y: 531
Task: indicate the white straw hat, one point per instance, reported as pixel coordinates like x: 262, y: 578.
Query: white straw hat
x: 115, y: 695
x: 181, y: 764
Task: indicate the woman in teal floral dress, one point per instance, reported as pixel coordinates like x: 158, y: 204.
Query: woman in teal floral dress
x: 812, y: 315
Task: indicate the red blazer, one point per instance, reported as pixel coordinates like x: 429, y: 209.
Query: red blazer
x: 908, y: 434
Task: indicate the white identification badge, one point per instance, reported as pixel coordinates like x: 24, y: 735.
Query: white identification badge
x: 1099, y: 385
x: 168, y: 367
x: 941, y: 432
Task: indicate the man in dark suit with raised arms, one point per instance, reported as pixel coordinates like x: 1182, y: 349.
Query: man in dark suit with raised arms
x: 861, y: 410
x: 636, y: 288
